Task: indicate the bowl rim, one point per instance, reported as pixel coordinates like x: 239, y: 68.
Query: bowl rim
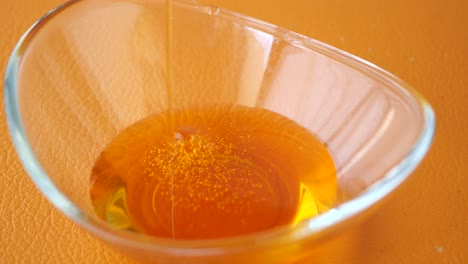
x: 313, y: 227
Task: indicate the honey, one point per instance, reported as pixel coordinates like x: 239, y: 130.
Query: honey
x: 212, y: 172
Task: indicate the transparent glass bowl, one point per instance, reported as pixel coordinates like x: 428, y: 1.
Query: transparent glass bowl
x: 89, y: 69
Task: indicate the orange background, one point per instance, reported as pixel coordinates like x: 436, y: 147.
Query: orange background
x: 423, y: 42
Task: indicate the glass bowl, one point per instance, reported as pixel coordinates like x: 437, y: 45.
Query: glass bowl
x: 89, y: 69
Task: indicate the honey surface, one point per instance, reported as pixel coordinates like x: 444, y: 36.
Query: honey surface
x: 211, y: 172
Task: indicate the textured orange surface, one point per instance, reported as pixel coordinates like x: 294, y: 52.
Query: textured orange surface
x: 424, y: 221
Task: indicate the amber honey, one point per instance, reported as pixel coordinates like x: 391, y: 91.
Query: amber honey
x: 211, y: 172
x: 214, y: 171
